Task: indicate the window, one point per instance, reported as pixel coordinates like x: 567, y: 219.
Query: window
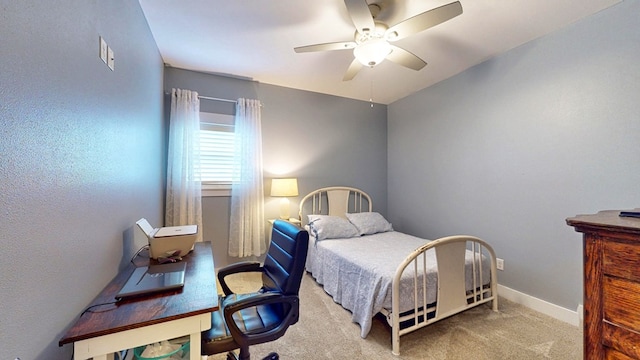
x: 216, y: 153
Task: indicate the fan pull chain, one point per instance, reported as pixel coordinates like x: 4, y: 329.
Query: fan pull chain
x: 371, y: 94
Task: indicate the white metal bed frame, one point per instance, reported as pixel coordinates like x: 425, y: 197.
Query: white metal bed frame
x: 452, y: 297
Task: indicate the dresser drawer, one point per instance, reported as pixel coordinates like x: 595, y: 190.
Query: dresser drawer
x: 621, y: 343
x: 611, y: 354
x: 621, y: 302
x: 621, y: 260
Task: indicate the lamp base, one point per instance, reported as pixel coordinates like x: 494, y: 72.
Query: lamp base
x: 284, y: 209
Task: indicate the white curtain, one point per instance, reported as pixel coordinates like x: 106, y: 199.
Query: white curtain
x: 183, y: 200
x: 246, y: 232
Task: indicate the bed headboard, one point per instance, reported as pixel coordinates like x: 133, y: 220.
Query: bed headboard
x: 335, y: 201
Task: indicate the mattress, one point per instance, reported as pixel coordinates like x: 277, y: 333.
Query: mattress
x: 358, y: 272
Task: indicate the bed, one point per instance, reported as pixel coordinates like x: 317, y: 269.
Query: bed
x: 370, y: 269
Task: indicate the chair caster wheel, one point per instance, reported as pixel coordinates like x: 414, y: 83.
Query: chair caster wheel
x: 232, y: 356
x: 272, y: 356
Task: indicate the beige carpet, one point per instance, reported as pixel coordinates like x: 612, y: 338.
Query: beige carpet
x: 325, y: 331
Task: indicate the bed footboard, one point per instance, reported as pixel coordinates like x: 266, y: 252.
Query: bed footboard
x: 462, y: 283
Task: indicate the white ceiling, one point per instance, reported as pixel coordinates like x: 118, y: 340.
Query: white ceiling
x: 254, y: 39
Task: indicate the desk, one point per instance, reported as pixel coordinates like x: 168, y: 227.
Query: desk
x: 149, y: 319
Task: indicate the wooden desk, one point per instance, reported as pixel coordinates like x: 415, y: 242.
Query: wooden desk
x: 611, y: 284
x: 149, y: 319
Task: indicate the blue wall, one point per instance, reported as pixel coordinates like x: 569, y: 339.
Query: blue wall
x: 81, y: 159
x: 508, y: 149
x: 322, y: 140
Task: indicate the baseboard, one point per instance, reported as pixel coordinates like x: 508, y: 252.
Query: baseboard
x: 571, y: 317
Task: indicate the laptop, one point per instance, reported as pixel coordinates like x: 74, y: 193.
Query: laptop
x: 153, y: 279
x: 170, y: 241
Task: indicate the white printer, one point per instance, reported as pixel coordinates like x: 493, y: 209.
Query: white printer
x: 169, y: 241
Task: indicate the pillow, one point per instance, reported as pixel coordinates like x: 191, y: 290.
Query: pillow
x: 369, y: 222
x: 331, y: 227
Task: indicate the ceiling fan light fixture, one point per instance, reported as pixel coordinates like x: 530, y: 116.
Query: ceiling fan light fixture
x: 372, y: 52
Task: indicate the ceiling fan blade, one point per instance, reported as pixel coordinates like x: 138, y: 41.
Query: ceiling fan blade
x: 423, y: 21
x: 326, y: 47
x: 360, y: 15
x: 405, y: 58
x: 353, y: 70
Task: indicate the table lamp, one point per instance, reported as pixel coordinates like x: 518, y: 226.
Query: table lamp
x: 284, y: 188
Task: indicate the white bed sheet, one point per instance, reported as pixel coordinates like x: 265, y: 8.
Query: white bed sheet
x: 358, y: 272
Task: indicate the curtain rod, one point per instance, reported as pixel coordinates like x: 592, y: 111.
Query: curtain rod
x: 211, y: 98
x: 216, y: 99
x: 201, y: 97
x: 220, y: 99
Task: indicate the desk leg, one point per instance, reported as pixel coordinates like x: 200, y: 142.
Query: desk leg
x: 104, y: 357
x: 195, y: 349
x: 77, y: 356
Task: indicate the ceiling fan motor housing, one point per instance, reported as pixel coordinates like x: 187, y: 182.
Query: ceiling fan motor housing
x: 376, y: 33
x: 372, y: 47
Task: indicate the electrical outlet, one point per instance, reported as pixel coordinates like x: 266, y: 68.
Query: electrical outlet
x: 103, y: 50
x: 500, y: 263
x: 110, y: 58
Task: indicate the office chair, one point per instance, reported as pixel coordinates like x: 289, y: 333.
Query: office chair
x: 247, y: 319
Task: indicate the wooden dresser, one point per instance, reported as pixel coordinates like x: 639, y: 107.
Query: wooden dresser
x: 611, y: 246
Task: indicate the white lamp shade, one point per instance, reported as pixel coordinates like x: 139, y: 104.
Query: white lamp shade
x: 284, y: 187
x: 372, y: 52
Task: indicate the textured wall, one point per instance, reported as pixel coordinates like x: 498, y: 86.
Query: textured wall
x: 81, y: 159
x: 512, y: 147
x: 320, y: 139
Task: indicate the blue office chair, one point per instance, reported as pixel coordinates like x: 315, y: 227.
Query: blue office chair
x: 247, y: 319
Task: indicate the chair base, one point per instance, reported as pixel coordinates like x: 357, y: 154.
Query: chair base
x: 272, y: 356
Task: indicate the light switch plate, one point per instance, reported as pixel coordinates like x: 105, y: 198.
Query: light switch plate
x: 110, y: 59
x: 103, y: 50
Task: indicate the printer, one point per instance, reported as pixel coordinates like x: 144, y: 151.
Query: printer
x: 169, y: 241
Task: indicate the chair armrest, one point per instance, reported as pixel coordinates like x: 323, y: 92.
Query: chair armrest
x: 240, y: 267
x: 262, y: 299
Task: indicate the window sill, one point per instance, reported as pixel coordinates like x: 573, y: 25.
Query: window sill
x: 215, y: 190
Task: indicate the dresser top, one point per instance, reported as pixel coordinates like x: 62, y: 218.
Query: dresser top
x: 607, y: 220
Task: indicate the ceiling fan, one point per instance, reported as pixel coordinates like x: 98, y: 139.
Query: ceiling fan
x: 372, y: 39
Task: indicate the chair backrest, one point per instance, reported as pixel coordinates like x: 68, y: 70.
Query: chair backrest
x: 285, y: 260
